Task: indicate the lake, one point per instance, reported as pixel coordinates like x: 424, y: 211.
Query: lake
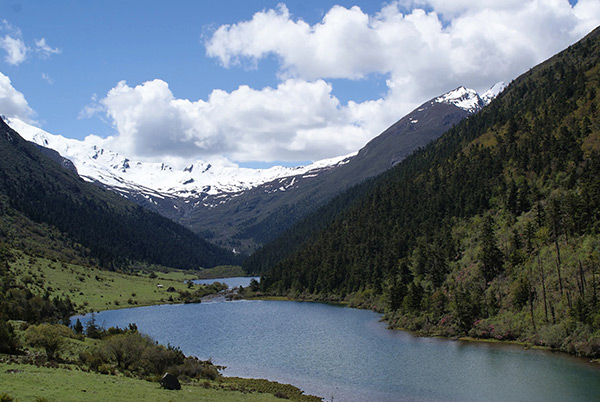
x: 347, y: 354
x: 233, y: 282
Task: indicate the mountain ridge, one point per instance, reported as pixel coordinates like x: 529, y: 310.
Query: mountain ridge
x: 116, y: 232
x: 243, y: 208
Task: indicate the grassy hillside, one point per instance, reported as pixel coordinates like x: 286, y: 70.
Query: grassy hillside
x: 94, y: 289
x: 491, y: 231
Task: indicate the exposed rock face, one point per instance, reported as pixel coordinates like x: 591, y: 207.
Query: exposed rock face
x: 169, y: 381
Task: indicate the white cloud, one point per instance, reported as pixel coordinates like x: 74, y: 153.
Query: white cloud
x: 298, y: 120
x: 421, y: 53
x: 44, y: 49
x: 457, y: 42
x: 12, y: 43
x: 12, y: 102
x: 47, y: 78
x: 15, y: 48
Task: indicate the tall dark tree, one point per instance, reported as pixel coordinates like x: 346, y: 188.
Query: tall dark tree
x: 492, y: 260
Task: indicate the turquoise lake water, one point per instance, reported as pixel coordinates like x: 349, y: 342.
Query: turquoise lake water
x: 346, y: 354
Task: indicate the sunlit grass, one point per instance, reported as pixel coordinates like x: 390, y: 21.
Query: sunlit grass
x: 25, y: 382
x: 93, y: 289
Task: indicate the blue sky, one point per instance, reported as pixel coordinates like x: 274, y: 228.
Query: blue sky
x: 263, y: 81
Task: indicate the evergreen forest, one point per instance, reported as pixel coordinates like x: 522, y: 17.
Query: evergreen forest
x: 492, y: 231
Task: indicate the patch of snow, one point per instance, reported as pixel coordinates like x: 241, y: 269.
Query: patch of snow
x: 464, y: 98
x: 96, y: 163
x: 491, y: 93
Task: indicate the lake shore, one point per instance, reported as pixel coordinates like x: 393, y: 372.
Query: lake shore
x: 465, y: 338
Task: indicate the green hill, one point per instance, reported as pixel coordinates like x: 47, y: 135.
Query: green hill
x: 491, y: 231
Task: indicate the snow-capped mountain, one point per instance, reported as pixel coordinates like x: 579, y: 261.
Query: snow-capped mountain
x: 242, y: 208
x: 468, y: 99
x: 97, y: 164
x: 94, y: 162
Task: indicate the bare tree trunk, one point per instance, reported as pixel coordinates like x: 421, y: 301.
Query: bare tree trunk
x: 558, y: 264
x: 531, y: 296
x: 543, y: 286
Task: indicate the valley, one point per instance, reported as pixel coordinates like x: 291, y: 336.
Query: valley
x: 241, y: 208
x: 461, y: 243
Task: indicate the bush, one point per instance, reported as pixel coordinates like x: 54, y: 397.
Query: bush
x: 50, y: 337
x: 195, y: 368
x: 9, y: 342
x: 6, y: 398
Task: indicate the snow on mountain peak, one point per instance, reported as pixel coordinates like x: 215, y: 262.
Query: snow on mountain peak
x: 462, y: 97
x: 468, y: 99
x: 491, y: 93
x: 95, y: 163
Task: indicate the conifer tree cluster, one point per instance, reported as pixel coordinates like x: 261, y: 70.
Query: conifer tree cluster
x: 491, y: 231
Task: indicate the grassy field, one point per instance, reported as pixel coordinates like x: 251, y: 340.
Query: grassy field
x: 93, y: 289
x: 25, y: 382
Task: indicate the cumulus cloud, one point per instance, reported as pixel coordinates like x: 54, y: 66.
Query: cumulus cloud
x: 422, y: 47
x: 12, y: 102
x: 458, y: 41
x: 293, y: 121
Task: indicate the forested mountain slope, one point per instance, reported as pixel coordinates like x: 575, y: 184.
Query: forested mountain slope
x: 109, y: 229
x: 259, y: 215
x: 344, y: 183
x: 492, y: 231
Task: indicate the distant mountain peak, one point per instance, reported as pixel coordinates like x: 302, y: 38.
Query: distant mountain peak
x: 464, y: 98
x: 491, y: 93
x: 96, y: 163
x: 468, y: 99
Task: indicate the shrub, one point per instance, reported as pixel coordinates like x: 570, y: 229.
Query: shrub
x: 50, y: 337
x: 9, y: 342
x: 6, y: 398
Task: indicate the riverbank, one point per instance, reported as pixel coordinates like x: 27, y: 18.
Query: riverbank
x: 360, y: 302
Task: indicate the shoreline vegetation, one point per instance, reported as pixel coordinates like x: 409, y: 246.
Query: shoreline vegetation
x: 42, y: 359
x: 55, y: 362
x: 353, y: 302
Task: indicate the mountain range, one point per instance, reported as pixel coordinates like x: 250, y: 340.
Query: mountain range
x: 242, y: 208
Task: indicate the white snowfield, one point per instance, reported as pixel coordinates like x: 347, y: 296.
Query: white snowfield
x: 96, y: 163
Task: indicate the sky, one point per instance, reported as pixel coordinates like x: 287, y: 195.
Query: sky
x: 257, y: 83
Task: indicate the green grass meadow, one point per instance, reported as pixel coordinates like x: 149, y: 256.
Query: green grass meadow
x: 93, y: 289
x: 25, y: 382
